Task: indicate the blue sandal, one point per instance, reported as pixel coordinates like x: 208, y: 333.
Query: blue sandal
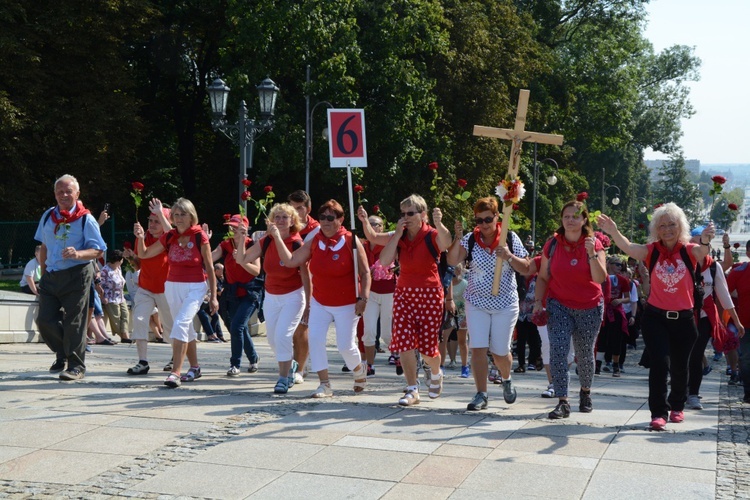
x: 282, y: 386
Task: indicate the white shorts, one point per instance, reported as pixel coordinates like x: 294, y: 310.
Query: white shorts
x: 184, y: 300
x: 493, y: 329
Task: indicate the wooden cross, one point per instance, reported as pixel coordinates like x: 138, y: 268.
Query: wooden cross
x: 517, y: 136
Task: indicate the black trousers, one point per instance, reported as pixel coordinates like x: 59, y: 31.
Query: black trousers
x: 696, y: 357
x: 528, y: 334
x: 63, y: 311
x: 669, y: 342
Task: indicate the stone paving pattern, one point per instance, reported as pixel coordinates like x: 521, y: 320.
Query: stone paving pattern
x: 117, y: 436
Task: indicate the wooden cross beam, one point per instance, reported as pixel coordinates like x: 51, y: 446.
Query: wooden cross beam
x: 517, y: 136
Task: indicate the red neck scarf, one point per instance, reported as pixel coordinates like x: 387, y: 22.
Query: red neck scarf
x: 423, y: 231
x: 573, y: 245
x: 66, y: 217
x: 668, y: 255
x: 331, y: 242
x: 491, y: 247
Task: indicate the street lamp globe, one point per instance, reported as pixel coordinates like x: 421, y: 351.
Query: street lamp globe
x: 217, y: 94
x: 552, y: 180
x: 616, y: 200
x: 267, y: 92
x: 643, y: 209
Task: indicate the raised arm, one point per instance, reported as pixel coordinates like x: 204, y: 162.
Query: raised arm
x: 444, y: 236
x: 296, y: 259
x: 596, y: 261
x: 388, y: 253
x: 457, y: 253
x: 373, y: 237
x: 700, y: 251
x: 248, y: 258
x: 635, y: 250
x: 157, y: 209
x: 155, y: 249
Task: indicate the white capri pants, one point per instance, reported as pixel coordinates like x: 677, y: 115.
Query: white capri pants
x: 545, y: 346
x: 283, y: 313
x: 345, y: 322
x: 184, y: 300
x: 143, y: 307
x: 379, y: 305
x: 491, y: 328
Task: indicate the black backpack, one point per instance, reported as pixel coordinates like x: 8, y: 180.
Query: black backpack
x: 694, y: 273
x: 520, y: 279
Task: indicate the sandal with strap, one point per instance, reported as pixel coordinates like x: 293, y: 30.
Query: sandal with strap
x: 173, y: 380
x: 323, y: 391
x: 139, y: 369
x: 192, y: 374
x: 436, y: 386
x: 410, y: 398
x: 360, y: 378
x: 282, y: 386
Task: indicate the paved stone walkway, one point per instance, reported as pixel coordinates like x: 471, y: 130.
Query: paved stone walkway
x: 117, y: 436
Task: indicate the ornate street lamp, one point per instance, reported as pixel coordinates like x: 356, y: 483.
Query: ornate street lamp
x: 551, y: 180
x: 244, y: 131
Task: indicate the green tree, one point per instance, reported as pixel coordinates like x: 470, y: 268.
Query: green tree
x: 674, y: 185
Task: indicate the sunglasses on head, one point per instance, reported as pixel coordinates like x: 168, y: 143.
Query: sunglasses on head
x: 329, y: 218
x: 410, y: 213
x: 486, y: 220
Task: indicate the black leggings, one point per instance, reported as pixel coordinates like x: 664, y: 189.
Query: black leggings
x: 528, y: 334
x: 696, y: 357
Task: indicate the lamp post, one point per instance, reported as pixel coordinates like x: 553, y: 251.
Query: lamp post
x: 245, y: 130
x: 642, y: 208
x: 615, y: 200
x: 551, y: 180
x: 309, y: 131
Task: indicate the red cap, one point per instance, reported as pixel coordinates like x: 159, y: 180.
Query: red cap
x: 235, y: 220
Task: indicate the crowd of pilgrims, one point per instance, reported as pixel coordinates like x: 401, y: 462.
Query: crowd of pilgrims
x: 423, y: 297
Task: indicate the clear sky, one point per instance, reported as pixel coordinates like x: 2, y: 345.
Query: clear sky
x: 720, y: 32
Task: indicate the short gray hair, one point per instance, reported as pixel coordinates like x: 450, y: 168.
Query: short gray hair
x: 68, y: 178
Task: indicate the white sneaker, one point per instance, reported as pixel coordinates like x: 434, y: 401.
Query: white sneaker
x: 233, y: 371
x: 298, y: 379
x: 323, y: 391
x: 693, y: 403
x: 549, y: 392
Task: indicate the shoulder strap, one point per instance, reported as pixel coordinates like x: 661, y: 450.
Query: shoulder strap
x: 470, y: 244
x: 552, y: 246
x: 431, y: 245
x: 694, y: 271
x: 264, y: 246
x: 47, y: 215
x: 654, y: 258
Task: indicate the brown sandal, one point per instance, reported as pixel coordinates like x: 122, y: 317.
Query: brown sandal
x: 360, y: 378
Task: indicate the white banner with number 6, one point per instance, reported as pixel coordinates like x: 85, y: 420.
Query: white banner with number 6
x: 346, y: 138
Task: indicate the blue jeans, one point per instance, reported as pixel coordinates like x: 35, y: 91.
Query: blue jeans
x: 745, y: 362
x: 239, y: 310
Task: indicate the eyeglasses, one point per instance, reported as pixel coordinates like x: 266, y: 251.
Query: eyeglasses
x: 410, y: 213
x: 486, y: 220
x: 329, y: 218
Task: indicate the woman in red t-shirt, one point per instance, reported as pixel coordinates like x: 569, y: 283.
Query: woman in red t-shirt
x: 190, y: 263
x: 287, y: 290
x: 572, y: 274
x: 334, y: 298
x: 668, y: 323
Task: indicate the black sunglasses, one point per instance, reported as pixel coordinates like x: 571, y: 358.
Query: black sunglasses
x: 329, y: 218
x: 410, y: 213
x: 486, y: 220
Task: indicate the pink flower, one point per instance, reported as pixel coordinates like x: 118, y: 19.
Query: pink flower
x: 246, y: 195
x: 719, y: 179
x: 247, y: 182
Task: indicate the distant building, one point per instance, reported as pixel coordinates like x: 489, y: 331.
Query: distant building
x: 692, y: 166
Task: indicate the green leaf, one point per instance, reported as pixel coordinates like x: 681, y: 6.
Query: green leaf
x: 466, y: 195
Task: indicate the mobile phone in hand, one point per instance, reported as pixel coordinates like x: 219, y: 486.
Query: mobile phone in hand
x: 106, y: 207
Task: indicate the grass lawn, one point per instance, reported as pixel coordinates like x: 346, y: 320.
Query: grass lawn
x: 10, y: 285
